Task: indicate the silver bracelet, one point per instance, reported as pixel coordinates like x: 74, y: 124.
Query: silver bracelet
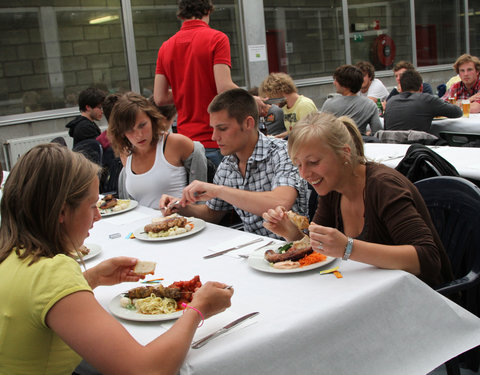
x: 348, y: 248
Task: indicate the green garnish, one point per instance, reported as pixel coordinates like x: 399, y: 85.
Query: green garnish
x: 284, y: 248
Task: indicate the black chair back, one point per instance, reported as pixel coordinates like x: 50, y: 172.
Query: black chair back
x: 92, y: 149
x: 459, y: 139
x: 454, y: 205
x: 421, y: 162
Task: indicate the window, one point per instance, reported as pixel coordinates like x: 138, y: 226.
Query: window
x: 440, y: 31
x: 51, y: 53
x: 304, y: 38
x: 474, y: 26
x: 380, y: 32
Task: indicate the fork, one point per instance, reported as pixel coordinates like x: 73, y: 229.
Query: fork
x: 245, y: 256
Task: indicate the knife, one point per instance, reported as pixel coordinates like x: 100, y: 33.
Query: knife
x: 232, y: 248
x: 198, y: 344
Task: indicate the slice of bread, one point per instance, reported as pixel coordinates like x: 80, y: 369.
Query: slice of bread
x: 144, y: 267
x: 300, y: 221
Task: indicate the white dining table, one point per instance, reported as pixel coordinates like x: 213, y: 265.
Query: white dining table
x: 469, y: 124
x: 464, y: 159
x: 371, y: 321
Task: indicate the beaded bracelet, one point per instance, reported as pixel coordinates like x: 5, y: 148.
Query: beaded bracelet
x: 185, y: 306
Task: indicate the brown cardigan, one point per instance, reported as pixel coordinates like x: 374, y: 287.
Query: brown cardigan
x: 395, y: 214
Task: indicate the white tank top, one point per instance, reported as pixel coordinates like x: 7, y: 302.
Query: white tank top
x: 162, y: 178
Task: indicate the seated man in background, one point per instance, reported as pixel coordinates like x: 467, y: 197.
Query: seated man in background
x: 281, y: 85
x: 372, y: 87
x: 413, y: 110
x: 90, y: 104
x: 400, y: 68
x: 468, y: 69
x: 255, y: 175
x: 271, y: 115
x: 348, y: 80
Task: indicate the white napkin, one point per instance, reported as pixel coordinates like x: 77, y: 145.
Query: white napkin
x: 238, y: 241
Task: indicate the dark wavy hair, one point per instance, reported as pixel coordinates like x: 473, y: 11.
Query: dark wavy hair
x: 349, y: 76
x: 123, y: 117
x: 91, y: 97
x: 188, y: 9
x: 238, y: 103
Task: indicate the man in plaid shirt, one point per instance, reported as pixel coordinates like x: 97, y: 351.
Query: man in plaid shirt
x: 255, y: 175
x: 468, y: 68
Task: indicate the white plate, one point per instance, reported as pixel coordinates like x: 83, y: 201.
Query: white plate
x: 131, y: 206
x: 94, y: 251
x: 258, y: 262
x: 198, y: 225
x: 121, y: 312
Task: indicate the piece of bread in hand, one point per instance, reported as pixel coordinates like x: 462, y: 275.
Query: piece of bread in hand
x: 300, y: 221
x: 144, y: 267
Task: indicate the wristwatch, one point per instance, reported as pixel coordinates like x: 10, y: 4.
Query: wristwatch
x: 348, y: 248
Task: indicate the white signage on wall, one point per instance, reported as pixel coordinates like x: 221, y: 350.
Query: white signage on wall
x: 288, y: 47
x: 257, y: 52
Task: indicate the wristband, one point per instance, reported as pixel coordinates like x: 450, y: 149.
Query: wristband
x: 185, y: 306
x: 348, y: 248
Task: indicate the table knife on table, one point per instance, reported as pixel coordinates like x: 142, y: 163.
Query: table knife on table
x: 232, y: 248
x: 203, y: 341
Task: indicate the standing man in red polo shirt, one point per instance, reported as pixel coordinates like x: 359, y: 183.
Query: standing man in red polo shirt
x: 193, y: 66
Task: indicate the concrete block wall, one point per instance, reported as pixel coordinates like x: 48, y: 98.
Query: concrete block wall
x: 153, y: 26
x: 41, y: 72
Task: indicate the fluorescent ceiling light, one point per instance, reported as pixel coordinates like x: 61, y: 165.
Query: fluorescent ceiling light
x: 103, y: 19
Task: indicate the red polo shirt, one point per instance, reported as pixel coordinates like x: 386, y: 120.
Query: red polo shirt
x: 187, y: 60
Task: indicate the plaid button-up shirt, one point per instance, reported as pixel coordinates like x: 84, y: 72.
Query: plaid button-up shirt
x: 268, y: 167
x: 459, y: 90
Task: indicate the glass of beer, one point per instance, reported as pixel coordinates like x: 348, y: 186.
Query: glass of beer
x: 466, y: 107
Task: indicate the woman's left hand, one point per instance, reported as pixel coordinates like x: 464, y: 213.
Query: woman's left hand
x: 112, y: 271
x: 328, y: 241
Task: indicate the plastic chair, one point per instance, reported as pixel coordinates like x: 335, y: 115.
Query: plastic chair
x: 421, y: 162
x: 454, y: 206
x: 460, y: 139
x: 92, y: 149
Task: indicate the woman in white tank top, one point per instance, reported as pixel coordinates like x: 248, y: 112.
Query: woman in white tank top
x: 155, y: 159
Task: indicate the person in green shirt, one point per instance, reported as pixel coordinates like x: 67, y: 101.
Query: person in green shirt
x: 49, y: 317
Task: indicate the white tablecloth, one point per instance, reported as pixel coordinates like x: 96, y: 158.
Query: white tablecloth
x: 371, y: 321
x: 461, y: 124
x: 464, y: 159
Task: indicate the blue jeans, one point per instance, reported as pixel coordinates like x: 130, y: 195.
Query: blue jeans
x: 214, y: 155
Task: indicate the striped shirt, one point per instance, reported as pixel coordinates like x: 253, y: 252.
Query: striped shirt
x: 268, y: 167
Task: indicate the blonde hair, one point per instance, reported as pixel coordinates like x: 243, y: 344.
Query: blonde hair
x: 40, y: 184
x: 276, y: 85
x: 334, y: 132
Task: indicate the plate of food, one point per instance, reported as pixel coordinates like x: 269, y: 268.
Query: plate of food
x: 154, y: 303
x: 109, y: 205
x: 88, y: 251
x: 292, y: 257
x: 169, y: 228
